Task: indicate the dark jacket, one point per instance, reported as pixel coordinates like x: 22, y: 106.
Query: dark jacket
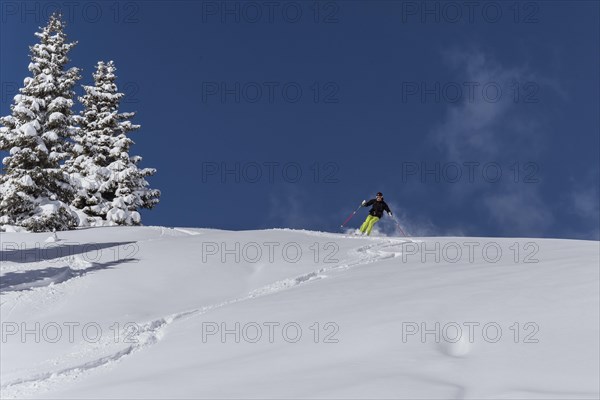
x: 378, y: 207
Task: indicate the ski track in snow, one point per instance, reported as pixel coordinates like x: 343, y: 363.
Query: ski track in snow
x: 151, y: 333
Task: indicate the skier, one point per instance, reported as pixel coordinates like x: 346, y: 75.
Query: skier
x: 376, y: 212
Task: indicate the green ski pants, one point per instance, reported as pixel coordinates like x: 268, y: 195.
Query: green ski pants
x: 368, y: 224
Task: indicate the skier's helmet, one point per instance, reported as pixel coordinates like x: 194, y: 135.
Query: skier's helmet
x: 379, y: 194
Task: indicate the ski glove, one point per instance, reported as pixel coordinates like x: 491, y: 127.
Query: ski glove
x: 364, y: 203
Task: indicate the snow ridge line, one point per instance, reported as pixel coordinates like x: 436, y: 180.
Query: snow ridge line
x: 152, y: 332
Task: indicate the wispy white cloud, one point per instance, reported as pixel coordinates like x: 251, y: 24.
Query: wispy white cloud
x: 492, y: 129
x: 519, y: 211
x: 290, y: 207
x: 583, y: 201
x: 483, y: 123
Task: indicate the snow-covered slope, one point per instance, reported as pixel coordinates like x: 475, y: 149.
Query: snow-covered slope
x: 154, y: 312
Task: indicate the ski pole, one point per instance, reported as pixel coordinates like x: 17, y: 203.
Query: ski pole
x: 350, y: 217
x: 398, y: 224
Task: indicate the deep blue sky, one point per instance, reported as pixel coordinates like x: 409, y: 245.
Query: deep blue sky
x: 388, y: 89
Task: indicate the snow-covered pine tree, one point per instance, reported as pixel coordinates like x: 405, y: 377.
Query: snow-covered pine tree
x: 91, y: 152
x: 34, y: 190
x: 110, y: 186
